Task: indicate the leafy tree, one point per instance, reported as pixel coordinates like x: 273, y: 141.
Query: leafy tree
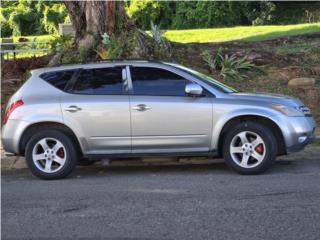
x: 31, y: 17
x: 205, y: 14
x: 259, y: 13
x: 52, y: 16
x: 159, y: 12
x: 23, y: 20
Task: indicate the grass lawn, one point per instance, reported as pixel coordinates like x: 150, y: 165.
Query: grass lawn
x: 250, y: 33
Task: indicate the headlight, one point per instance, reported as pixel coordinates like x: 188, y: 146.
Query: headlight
x: 288, y: 111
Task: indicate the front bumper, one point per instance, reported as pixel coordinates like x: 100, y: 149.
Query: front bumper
x: 299, y: 132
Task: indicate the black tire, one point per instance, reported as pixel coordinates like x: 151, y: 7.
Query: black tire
x: 72, y: 154
x: 270, y: 145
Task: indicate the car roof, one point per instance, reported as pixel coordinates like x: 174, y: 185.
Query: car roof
x: 110, y: 62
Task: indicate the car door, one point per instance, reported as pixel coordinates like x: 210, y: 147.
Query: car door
x: 163, y: 118
x: 98, y: 110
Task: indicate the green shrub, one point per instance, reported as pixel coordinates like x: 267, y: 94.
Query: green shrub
x: 229, y: 67
x: 61, y: 43
x: 121, y: 46
x: 232, y: 67
x: 114, y: 47
x: 214, y: 63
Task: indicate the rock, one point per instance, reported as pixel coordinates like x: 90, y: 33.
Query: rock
x: 254, y: 56
x: 303, y: 81
x: 316, y: 70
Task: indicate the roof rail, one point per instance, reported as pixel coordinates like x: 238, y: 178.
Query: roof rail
x: 113, y: 60
x: 129, y: 59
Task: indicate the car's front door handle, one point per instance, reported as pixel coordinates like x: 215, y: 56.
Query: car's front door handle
x: 141, y: 107
x: 72, y: 109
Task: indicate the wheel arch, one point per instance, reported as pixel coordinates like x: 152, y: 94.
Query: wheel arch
x: 34, y: 127
x: 255, y: 118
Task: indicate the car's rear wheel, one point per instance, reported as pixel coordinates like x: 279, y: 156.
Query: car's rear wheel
x: 250, y: 148
x: 51, y: 154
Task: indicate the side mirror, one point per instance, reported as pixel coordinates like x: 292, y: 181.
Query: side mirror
x: 193, y: 89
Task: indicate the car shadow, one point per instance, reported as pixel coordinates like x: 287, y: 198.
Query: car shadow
x: 146, y: 170
x: 169, y: 168
x: 217, y: 168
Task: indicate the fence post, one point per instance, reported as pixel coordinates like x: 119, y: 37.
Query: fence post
x: 33, y: 46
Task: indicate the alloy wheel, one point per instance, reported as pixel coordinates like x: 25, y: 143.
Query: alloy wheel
x: 247, y: 149
x: 49, y: 155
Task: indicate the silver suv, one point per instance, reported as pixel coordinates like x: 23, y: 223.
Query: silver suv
x: 144, y: 108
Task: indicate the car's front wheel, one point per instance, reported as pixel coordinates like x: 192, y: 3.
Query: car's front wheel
x: 51, y: 154
x: 250, y: 148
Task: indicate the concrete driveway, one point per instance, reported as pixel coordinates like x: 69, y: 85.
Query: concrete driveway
x: 203, y: 201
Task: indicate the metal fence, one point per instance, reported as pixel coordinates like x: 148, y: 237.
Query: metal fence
x: 10, y: 49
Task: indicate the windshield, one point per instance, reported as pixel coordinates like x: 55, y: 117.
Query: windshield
x: 210, y: 81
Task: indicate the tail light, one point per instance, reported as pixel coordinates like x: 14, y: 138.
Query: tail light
x: 11, y: 108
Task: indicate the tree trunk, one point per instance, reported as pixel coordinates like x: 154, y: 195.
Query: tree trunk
x: 91, y: 19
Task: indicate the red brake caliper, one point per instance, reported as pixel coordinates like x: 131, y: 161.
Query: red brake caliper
x: 259, y: 148
x: 60, y: 153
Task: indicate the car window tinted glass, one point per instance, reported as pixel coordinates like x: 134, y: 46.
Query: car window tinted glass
x: 59, y: 79
x: 212, y: 82
x: 157, y: 82
x: 100, y: 81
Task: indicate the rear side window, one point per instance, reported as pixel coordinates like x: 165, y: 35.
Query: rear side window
x: 157, y: 82
x: 59, y: 79
x: 100, y: 81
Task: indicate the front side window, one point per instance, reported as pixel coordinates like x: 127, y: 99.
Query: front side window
x: 209, y: 80
x: 100, y: 81
x: 157, y: 82
x: 59, y: 79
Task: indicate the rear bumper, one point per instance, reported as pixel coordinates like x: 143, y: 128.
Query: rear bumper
x: 11, y: 135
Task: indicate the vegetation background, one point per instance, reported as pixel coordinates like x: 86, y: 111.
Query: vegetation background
x: 26, y: 17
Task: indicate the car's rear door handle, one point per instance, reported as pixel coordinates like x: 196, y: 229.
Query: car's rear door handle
x: 141, y: 107
x: 73, y: 109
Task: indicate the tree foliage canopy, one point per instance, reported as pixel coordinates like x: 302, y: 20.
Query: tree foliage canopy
x: 23, y: 17
x: 209, y: 14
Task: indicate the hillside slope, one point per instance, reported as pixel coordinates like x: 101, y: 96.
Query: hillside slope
x: 279, y: 60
